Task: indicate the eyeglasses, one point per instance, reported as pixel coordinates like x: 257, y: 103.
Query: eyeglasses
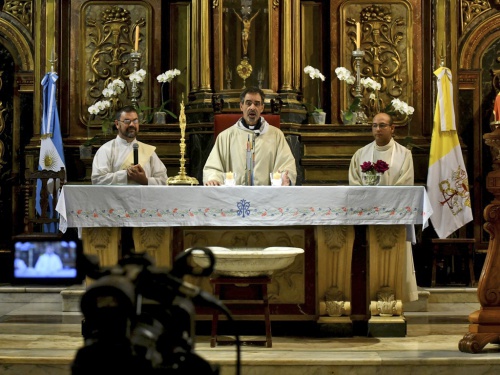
x: 128, y: 122
x: 380, y: 126
x: 249, y: 103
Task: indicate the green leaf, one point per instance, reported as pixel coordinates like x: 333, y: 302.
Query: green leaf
x: 354, y: 105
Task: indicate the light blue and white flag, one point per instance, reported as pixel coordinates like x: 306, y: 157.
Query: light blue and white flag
x: 51, y: 148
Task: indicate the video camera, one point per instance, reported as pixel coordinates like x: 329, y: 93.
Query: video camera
x: 139, y: 319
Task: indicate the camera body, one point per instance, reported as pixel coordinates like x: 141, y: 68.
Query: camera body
x: 140, y: 319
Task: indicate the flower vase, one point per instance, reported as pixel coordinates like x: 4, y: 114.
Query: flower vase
x: 371, y: 179
x: 348, y: 117
x: 160, y: 118
x: 85, y: 151
x: 319, y: 117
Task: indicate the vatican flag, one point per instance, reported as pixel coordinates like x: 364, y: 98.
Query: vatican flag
x: 447, y: 181
x: 51, y: 148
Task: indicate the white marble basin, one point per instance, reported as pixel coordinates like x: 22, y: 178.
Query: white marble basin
x: 248, y: 262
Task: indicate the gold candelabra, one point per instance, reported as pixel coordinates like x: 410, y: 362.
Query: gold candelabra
x: 182, y: 178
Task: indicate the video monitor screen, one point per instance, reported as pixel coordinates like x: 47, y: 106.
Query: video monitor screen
x: 46, y: 260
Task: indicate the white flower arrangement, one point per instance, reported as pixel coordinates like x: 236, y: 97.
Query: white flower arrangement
x: 344, y: 74
x: 138, y: 76
x: 396, y: 105
x: 313, y: 74
x: 402, y: 107
x: 163, y: 78
x: 112, y: 90
x: 168, y: 76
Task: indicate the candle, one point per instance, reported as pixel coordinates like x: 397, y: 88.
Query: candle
x: 277, y: 176
x: 137, y: 38
x: 358, y: 35
x: 229, y: 176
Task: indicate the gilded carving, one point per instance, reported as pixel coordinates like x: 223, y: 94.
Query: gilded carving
x: 110, y: 40
x: 22, y: 10
x: 215, y: 3
x: 385, y: 39
x: 472, y: 9
x: 276, y: 4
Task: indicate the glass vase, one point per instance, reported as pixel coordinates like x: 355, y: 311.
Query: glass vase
x: 160, y: 118
x: 371, y: 179
x: 348, y: 117
x: 319, y: 117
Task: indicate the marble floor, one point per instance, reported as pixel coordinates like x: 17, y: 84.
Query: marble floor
x: 37, y: 338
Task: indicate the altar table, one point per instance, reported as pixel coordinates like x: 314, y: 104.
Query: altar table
x: 167, y: 206
x: 332, y: 212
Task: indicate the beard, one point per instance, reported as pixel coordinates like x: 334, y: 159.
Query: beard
x: 130, y: 132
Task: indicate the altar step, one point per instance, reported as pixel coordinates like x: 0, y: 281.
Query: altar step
x: 439, y: 300
x: 442, y: 300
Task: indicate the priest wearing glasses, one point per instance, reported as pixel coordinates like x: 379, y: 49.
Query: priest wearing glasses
x: 399, y: 173
x: 124, y: 160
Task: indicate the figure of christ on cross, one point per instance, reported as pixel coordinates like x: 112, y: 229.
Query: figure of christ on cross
x: 245, y: 33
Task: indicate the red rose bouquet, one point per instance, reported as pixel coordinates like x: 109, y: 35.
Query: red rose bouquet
x: 372, y: 168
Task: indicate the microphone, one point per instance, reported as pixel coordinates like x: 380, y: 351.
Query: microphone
x: 136, y: 153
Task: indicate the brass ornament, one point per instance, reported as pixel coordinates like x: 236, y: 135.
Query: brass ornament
x: 472, y: 9
x: 244, y: 70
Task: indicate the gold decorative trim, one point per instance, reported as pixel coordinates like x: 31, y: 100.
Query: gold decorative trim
x: 215, y: 4
x: 276, y: 4
x: 24, y: 56
x: 21, y: 10
x: 472, y: 9
x: 483, y: 36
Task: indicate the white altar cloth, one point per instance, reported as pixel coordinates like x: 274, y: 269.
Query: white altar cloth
x: 83, y: 206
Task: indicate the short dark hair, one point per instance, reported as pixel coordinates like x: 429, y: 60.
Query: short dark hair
x: 252, y: 90
x: 126, y: 109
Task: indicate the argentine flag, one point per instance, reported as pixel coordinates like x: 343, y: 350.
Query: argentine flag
x: 447, y: 181
x: 51, y: 148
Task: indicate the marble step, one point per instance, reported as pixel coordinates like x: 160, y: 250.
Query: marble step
x: 430, y: 299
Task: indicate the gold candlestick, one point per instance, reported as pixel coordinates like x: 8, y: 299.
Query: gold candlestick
x: 182, y: 178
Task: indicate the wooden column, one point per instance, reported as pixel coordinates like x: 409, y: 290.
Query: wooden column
x: 286, y: 39
x: 485, y: 323
x: 195, y: 43
x: 205, y: 33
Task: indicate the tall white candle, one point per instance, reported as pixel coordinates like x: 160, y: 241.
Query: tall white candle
x: 137, y: 38
x: 358, y: 35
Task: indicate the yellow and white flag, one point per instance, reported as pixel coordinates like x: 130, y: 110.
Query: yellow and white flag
x: 447, y: 181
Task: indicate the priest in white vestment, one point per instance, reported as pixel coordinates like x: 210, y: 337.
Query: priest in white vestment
x: 400, y: 173
x: 251, y: 150
x: 114, y: 161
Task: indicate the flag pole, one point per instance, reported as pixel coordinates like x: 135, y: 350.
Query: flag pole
x: 52, y: 60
